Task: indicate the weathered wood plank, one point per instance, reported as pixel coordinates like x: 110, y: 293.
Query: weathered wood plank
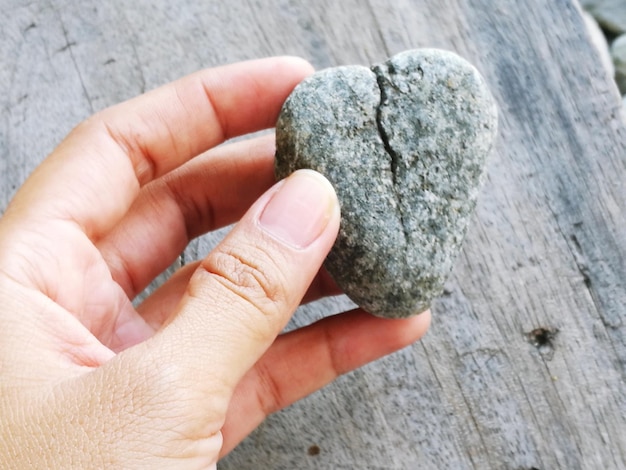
x: 525, y: 364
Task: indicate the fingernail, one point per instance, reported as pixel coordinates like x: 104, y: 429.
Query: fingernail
x: 300, y: 210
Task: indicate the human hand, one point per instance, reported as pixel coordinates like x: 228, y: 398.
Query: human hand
x: 87, y: 380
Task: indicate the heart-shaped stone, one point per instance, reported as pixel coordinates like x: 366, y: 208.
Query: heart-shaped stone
x: 404, y: 144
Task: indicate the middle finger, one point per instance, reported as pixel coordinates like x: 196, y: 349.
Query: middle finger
x: 207, y: 193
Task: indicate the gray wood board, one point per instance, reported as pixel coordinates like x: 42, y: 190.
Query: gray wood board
x: 524, y: 365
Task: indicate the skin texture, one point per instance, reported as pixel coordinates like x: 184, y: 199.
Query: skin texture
x: 87, y: 380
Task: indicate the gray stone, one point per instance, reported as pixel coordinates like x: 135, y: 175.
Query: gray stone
x: 404, y: 144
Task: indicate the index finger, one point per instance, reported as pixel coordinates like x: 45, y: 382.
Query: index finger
x: 95, y: 174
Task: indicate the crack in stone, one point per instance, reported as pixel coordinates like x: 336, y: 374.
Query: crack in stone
x: 393, y: 155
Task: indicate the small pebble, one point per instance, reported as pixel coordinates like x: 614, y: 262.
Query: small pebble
x: 599, y: 41
x: 610, y: 14
x: 618, y: 54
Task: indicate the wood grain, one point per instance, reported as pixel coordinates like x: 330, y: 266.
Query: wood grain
x: 524, y: 367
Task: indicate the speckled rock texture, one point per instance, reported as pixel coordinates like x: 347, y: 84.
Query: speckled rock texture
x: 404, y: 143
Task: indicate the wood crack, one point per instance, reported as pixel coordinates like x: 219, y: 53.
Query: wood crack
x: 69, y: 48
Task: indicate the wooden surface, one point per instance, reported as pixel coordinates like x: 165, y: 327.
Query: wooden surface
x: 524, y: 366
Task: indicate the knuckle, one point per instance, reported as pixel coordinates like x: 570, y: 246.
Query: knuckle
x: 269, y: 393
x: 251, y: 275
x: 197, y: 212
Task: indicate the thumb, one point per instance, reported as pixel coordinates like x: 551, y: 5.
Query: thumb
x: 244, y: 292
